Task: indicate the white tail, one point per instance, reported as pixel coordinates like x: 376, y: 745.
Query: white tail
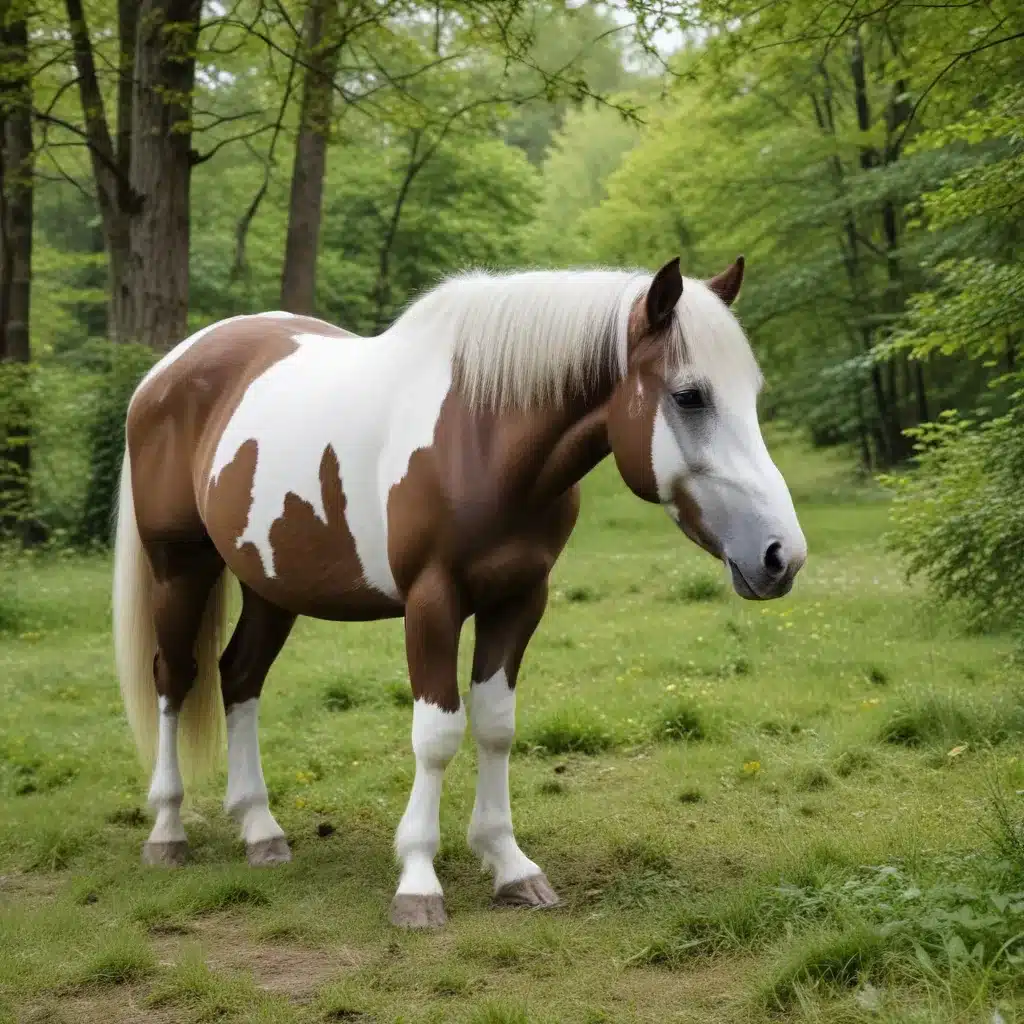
x: 201, y: 722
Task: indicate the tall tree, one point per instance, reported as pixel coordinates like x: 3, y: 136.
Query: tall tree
x: 322, y: 42
x: 110, y: 159
x: 161, y: 170
x: 16, y: 199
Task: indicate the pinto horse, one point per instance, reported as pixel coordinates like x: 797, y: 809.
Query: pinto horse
x: 430, y: 473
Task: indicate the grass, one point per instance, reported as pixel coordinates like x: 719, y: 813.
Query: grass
x: 808, y: 810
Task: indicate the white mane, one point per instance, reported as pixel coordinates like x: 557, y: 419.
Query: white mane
x: 523, y: 338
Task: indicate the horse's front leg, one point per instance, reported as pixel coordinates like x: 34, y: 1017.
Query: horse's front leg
x: 502, y: 634
x: 433, y: 621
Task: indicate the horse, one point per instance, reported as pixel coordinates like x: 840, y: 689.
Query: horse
x: 429, y: 473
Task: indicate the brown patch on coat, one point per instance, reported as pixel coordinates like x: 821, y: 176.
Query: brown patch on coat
x: 631, y: 414
x: 503, y: 632
x: 468, y: 502
x: 468, y: 531
x: 177, y: 417
x: 316, y: 569
x: 692, y: 522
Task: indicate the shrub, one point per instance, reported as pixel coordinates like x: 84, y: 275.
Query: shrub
x: 697, y: 589
x: 567, y: 733
x: 958, y: 520
x: 683, y: 721
x: 123, y: 368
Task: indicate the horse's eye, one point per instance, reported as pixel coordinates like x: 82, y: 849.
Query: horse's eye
x: 690, y: 399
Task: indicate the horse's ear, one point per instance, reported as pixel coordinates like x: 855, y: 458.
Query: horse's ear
x: 726, y: 285
x: 663, y: 294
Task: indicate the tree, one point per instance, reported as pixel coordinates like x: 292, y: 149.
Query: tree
x: 322, y: 41
x: 161, y: 171
x: 110, y: 156
x: 16, y: 208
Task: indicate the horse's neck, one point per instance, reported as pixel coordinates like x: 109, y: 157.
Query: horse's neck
x: 575, y: 452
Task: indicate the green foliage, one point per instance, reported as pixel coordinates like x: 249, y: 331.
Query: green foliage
x: 958, y: 520
x: 17, y: 414
x: 697, y: 589
x: 976, y: 305
x: 684, y: 721
x: 881, y: 922
x: 125, y: 960
x: 122, y: 368
x: 567, y: 732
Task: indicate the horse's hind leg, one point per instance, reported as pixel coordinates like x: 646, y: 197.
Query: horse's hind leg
x: 502, y: 634
x: 184, y: 576
x: 258, y: 638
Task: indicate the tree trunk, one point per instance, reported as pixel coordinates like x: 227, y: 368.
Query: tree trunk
x: 111, y: 168
x: 322, y: 47
x: 892, y: 217
x: 887, y: 403
x: 127, y: 202
x: 16, y: 210
x: 161, y: 170
x: 382, y: 289
x: 849, y: 247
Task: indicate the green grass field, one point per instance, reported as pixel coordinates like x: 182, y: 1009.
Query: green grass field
x: 802, y: 810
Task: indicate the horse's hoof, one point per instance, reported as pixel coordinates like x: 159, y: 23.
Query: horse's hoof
x: 268, y: 852
x: 410, y: 910
x: 527, y: 892
x: 165, y: 855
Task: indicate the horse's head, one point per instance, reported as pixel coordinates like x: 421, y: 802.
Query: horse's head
x: 684, y: 430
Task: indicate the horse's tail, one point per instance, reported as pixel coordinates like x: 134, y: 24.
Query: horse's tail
x: 201, y: 721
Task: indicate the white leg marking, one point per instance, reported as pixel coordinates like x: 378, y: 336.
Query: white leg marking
x: 493, y: 720
x: 246, y: 800
x: 436, y: 736
x: 166, y: 790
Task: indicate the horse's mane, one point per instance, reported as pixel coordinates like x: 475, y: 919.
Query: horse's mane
x: 521, y: 339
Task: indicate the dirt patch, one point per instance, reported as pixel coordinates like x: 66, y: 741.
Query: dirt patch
x: 123, y: 1005
x: 37, y: 886
x: 283, y: 968
x: 704, y: 992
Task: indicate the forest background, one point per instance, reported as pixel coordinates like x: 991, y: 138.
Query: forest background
x: 166, y: 163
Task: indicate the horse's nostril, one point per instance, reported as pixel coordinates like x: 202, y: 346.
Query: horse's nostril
x: 773, y: 560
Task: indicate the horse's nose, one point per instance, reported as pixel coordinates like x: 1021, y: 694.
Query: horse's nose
x: 774, y: 560
x: 779, y: 561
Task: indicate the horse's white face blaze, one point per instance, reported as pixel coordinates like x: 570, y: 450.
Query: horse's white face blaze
x: 714, y: 462
x: 711, y: 467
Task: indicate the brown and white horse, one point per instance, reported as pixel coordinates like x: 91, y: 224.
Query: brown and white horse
x: 430, y: 473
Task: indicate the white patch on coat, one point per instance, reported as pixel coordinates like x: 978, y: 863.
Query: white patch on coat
x: 492, y: 716
x: 373, y: 401
x: 436, y: 736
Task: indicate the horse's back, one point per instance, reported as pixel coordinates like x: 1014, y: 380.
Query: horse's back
x: 182, y: 405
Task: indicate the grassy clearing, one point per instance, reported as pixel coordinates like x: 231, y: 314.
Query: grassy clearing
x: 808, y: 810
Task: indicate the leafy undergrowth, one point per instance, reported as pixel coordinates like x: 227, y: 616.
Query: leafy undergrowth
x: 831, y: 926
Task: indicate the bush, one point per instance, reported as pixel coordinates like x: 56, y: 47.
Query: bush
x: 124, y: 368
x: 683, y: 721
x: 959, y: 521
x: 17, y: 414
